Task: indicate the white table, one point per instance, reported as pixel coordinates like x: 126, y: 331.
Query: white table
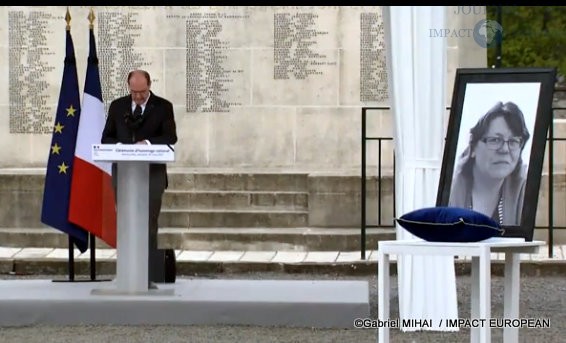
x: 481, y: 277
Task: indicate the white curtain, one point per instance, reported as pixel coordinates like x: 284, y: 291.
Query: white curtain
x: 417, y: 80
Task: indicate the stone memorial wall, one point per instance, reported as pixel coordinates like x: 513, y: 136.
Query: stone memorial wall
x: 258, y: 87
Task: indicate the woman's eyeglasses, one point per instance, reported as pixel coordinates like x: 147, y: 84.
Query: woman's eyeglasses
x: 496, y: 143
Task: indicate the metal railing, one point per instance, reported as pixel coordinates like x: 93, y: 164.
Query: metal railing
x: 380, y: 140
x: 365, y: 138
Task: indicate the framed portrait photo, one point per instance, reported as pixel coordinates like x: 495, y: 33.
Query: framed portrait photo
x: 495, y: 144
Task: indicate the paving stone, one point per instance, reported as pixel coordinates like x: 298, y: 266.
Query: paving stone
x: 321, y: 257
x: 192, y: 255
x: 226, y: 256
x: 258, y: 256
x: 100, y: 254
x: 289, y: 257
x: 351, y: 256
x: 59, y: 253
x: 33, y: 253
x: 7, y: 252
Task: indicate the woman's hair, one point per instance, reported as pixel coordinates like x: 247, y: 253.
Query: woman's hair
x: 512, y: 115
x: 514, y: 118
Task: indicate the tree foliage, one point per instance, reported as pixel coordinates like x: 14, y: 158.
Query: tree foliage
x: 533, y: 36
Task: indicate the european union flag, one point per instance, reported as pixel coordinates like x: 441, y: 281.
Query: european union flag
x: 57, y: 189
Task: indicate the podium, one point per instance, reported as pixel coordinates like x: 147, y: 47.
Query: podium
x: 132, y: 212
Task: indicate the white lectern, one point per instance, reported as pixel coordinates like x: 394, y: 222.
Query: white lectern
x: 132, y: 211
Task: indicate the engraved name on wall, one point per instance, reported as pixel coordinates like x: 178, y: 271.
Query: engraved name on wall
x: 216, y: 59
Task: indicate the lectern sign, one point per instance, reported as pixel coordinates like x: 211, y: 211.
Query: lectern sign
x: 132, y: 152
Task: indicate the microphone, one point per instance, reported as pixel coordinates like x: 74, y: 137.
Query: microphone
x: 134, y: 120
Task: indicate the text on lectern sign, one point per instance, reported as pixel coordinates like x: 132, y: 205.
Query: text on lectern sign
x: 132, y: 152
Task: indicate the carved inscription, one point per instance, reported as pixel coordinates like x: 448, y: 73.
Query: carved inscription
x: 209, y: 76
x: 218, y: 49
x: 118, y: 34
x: 373, y: 74
x: 30, y: 111
x: 294, y: 46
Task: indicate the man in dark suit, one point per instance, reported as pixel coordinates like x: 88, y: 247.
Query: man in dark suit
x: 143, y: 118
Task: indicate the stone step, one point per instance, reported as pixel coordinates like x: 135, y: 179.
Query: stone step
x: 211, y: 239
x: 199, y: 263
x: 238, y: 181
x: 261, y: 239
x: 331, y: 198
x: 232, y: 218
x: 209, y: 199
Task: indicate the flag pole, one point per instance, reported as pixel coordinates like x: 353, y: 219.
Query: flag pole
x: 71, y: 263
x: 71, y: 249
x: 91, y: 236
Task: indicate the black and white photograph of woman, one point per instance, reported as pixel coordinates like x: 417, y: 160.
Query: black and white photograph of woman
x: 490, y: 170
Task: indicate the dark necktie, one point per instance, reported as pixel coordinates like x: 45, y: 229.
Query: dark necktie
x: 138, y: 111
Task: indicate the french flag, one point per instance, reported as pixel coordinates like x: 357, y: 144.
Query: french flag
x: 92, y: 202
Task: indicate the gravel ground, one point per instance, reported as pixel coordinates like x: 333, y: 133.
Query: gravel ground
x: 541, y: 297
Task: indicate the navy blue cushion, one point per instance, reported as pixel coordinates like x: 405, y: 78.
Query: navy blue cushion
x: 450, y: 224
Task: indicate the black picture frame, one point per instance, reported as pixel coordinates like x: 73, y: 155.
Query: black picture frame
x: 476, y: 91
